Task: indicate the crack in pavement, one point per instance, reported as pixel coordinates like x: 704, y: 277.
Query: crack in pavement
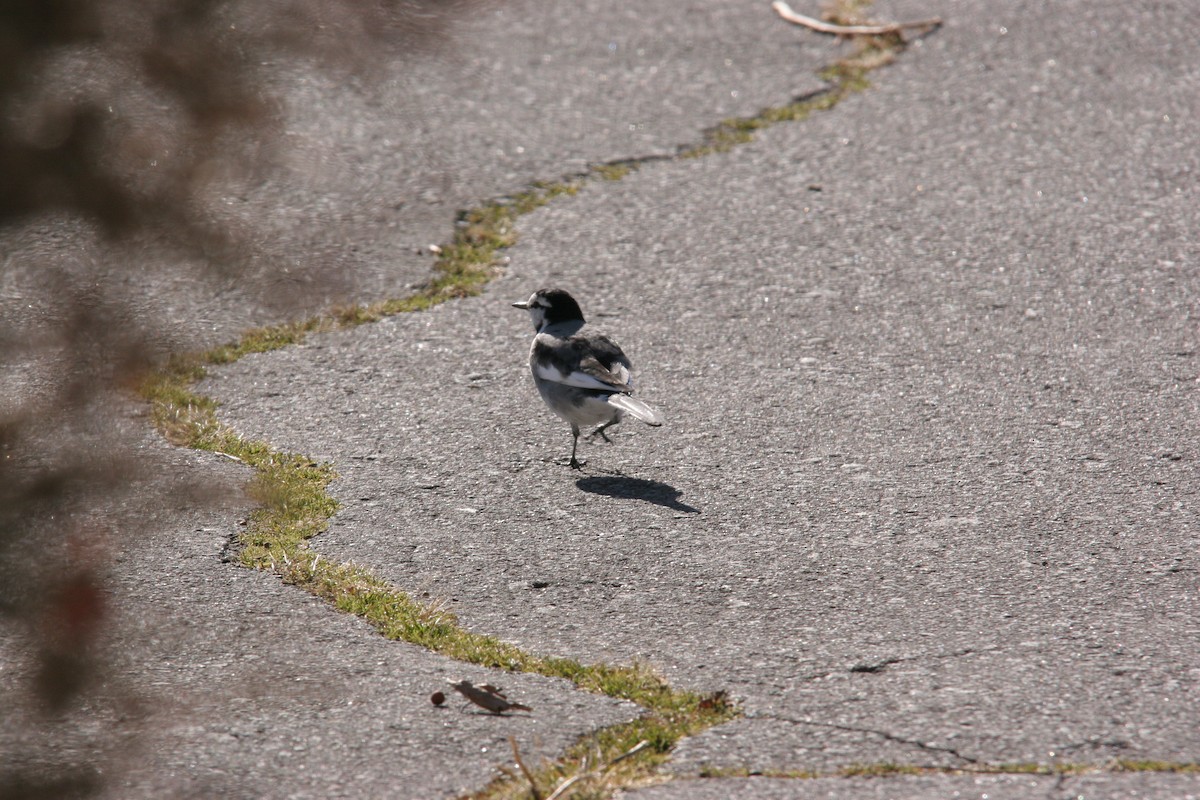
x: 875, y: 667
x: 881, y: 665
x: 891, y: 737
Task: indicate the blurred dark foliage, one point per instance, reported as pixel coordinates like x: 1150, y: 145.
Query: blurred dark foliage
x: 94, y: 90
x: 120, y: 116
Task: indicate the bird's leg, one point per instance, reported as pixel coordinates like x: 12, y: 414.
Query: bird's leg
x: 600, y: 431
x: 575, y: 463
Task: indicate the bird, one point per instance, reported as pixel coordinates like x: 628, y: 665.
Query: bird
x: 487, y: 697
x: 583, y: 377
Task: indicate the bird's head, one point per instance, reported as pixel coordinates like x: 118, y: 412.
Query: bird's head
x: 549, y: 306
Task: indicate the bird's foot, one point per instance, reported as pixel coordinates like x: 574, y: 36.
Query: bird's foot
x: 576, y: 463
x: 600, y: 432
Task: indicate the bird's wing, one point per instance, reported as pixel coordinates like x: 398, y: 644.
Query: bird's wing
x: 581, y: 377
x: 593, y: 362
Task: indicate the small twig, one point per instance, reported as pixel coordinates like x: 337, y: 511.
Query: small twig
x: 583, y: 770
x: 637, y: 748
x: 230, y: 456
x: 533, y: 789
x: 568, y: 783
x: 785, y: 11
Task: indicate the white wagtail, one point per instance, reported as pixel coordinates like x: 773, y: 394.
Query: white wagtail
x: 583, y: 377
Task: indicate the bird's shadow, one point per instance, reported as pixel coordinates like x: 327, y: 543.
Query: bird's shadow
x: 656, y: 492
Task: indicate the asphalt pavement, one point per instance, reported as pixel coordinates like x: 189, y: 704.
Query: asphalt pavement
x: 927, y: 491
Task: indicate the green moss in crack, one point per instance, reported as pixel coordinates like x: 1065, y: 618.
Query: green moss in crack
x: 613, y: 172
x: 881, y: 770
x: 1150, y: 765
x: 738, y: 130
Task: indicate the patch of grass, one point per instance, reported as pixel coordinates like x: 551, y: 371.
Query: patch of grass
x: 734, y: 131
x: 709, y: 771
x: 293, y: 506
x: 613, y: 172
x: 882, y: 770
x: 1020, y: 769
x: 1140, y: 765
x: 178, y: 413
x: 619, y: 756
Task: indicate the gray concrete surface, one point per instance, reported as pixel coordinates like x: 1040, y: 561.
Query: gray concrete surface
x: 926, y: 494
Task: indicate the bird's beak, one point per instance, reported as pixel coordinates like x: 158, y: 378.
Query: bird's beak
x: 523, y: 304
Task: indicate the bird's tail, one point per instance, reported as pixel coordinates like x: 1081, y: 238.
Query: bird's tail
x: 637, y: 408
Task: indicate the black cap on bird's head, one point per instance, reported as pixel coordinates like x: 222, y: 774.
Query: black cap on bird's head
x: 549, y: 306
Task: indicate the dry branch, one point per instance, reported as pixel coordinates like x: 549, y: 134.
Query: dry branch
x: 533, y: 787
x: 785, y: 11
